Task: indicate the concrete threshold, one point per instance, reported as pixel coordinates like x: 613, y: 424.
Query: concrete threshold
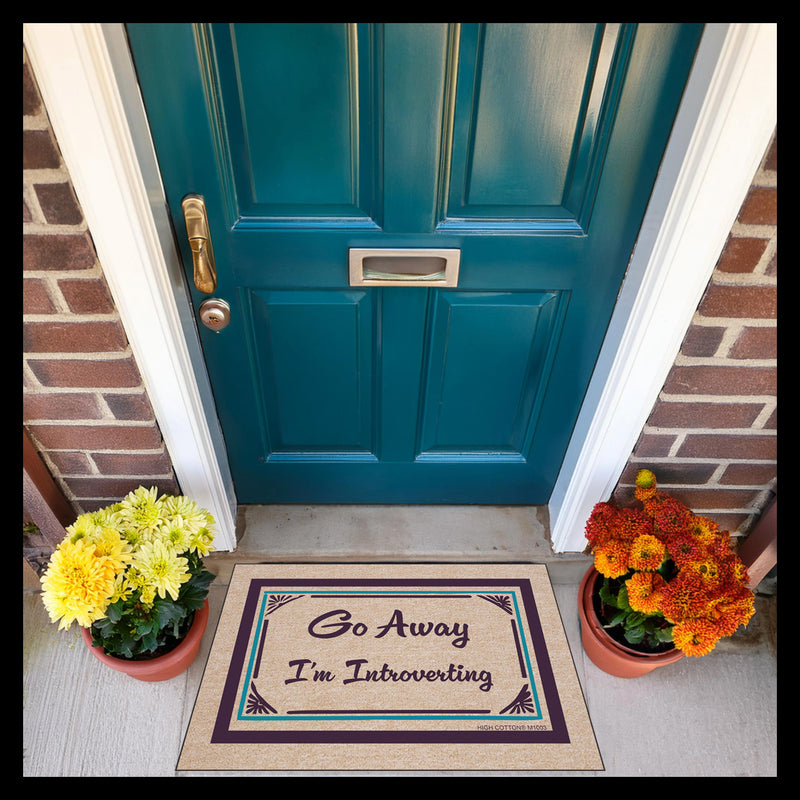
x: 397, y: 534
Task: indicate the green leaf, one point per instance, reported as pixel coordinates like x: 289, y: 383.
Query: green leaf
x: 617, y: 619
x: 635, y: 635
x: 622, y: 597
x: 114, y: 612
x: 664, y: 634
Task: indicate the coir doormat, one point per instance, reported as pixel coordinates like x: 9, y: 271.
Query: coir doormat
x: 390, y: 667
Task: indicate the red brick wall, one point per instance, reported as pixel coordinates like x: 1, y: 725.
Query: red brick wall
x: 84, y: 405
x: 711, y: 438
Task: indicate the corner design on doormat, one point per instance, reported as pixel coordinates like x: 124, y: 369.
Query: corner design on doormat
x: 398, y: 667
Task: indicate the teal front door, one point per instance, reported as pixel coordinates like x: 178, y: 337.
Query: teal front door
x: 420, y: 231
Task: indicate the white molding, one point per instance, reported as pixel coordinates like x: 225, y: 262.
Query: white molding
x: 727, y: 117
x: 113, y: 177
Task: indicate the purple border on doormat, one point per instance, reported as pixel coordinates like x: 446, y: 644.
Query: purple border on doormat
x: 558, y: 735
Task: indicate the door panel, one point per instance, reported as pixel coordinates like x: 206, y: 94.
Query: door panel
x: 301, y: 149
x: 473, y: 336
x: 313, y: 353
x: 530, y: 148
x: 526, y: 129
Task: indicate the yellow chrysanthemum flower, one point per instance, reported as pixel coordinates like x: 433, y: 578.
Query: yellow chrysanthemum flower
x: 191, y: 515
x: 175, y: 533
x: 122, y: 589
x: 161, y: 569
x: 644, y: 592
x: 147, y: 594
x: 201, y: 541
x: 647, y: 553
x: 728, y: 613
x: 704, y: 530
x: 611, y: 560
x: 111, y: 546
x: 77, y: 585
x: 708, y: 570
x: 141, y: 510
x: 695, y: 637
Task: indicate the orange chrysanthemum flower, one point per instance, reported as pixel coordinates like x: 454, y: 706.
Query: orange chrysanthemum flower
x: 738, y: 570
x: 683, y: 548
x: 695, y: 637
x: 647, y: 553
x: 729, y: 613
x: 644, y: 592
x: 708, y: 570
x: 645, y: 484
x: 684, y: 597
x: 601, y: 524
x: 670, y: 515
x: 611, y: 559
x: 632, y: 523
x: 704, y: 530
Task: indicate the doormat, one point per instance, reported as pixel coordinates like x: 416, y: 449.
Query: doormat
x: 389, y: 667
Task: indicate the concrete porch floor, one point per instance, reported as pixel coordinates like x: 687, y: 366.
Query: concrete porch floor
x: 709, y: 717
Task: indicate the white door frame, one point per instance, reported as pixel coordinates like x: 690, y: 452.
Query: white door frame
x: 727, y: 116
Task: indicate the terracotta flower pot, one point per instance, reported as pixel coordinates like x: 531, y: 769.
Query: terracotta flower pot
x: 604, y: 651
x: 161, y: 668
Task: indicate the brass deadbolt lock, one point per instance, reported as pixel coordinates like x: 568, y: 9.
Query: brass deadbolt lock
x: 215, y: 314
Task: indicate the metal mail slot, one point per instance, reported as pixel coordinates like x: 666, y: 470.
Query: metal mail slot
x: 404, y: 267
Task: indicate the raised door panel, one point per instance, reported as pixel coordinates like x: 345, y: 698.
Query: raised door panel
x: 312, y: 354
x: 489, y: 355
x: 533, y: 109
x: 296, y: 119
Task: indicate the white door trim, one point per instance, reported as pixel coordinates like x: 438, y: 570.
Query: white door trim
x: 726, y: 119
x: 729, y: 112
x: 90, y: 92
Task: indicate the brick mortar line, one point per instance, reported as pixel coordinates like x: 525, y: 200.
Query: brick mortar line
x: 709, y: 512
x: 718, y: 399
x: 44, y: 228
x: 762, y: 418
x: 662, y: 430
x: 121, y: 390
x: 728, y: 341
x: 744, y: 322
x: 90, y: 273
x: 103, y: 422
x: 39, y: 175
x: 690, y: 460
x: 126, y: 477
x: 723, y: 487
x: 766, y: 179
x: 72, y: 317
x: 744, y: 279
x: 95, y: 451
x: 51, y: 283
x: 724, y: 361
x: 36, y: 122
x: 104, y: 355
x: 751, y: 230
x: 30, y: 196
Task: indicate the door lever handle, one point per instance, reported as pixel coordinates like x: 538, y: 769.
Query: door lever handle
x: 205, y: 270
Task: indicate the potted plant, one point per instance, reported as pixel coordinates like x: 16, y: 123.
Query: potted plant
x: 131, y: 575
x: 666, y: 583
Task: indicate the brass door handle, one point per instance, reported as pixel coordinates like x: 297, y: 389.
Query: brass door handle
x: 205, y: 270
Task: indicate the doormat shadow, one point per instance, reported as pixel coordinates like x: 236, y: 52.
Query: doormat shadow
x: 390, y: 667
